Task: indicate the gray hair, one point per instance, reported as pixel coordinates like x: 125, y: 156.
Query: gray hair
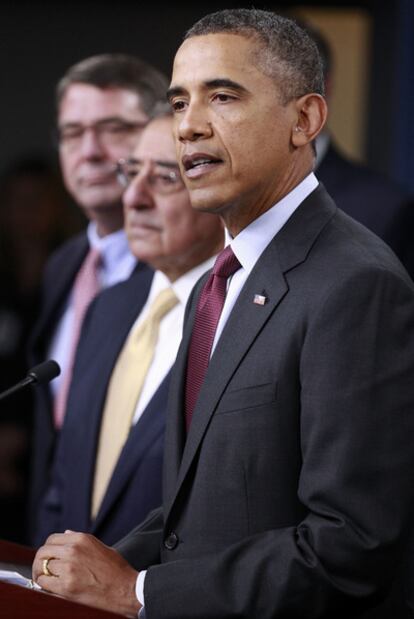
x: 117, y: 71
x: 285, y: 51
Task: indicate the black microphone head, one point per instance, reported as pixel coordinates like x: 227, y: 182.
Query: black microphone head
x: 44, y: 372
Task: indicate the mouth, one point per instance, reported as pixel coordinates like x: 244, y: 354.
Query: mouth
x: 198, y: 164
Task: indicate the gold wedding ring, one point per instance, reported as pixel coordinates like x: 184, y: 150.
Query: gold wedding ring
x: 45, y: 567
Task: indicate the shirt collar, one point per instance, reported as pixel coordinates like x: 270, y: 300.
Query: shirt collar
x: 184, y: 284
x: 250, y: 243
x: 112, y: 247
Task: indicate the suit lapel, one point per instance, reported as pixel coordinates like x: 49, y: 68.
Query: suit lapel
x: 288, y: 248
x: 245, y: 322
x: 142, y: 436
x: 58, y: 292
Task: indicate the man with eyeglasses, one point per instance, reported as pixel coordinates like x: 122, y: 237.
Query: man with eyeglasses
x: 103, y: 104
x: 105, y: 480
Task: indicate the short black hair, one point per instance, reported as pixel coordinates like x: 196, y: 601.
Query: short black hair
x: 285, y: 50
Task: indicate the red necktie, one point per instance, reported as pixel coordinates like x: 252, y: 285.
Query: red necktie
x: 85, y: 288
x: 210, y: 305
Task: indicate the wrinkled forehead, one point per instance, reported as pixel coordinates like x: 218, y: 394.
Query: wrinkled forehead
x: 156, y: 141
x: 85, y: 102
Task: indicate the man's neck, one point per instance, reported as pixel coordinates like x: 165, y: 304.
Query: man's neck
x: 108, y: 221
x: 174, y: 270
x: 106, y: 228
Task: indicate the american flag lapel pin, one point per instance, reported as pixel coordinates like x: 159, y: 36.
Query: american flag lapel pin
x: 259, y: 299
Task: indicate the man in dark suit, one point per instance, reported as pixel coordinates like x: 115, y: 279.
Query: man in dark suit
x: 371, y: 198
x: 288, y: 487
x: 103, y: 103
x: 178, y: 243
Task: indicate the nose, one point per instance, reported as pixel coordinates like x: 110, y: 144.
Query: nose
x: 193, y: 124
x: 138, y: 194
x: 91, y: 147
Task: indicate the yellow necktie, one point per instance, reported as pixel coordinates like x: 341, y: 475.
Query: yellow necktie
x: 124, y: 389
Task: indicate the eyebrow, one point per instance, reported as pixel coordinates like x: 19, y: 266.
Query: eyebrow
x: 224, y: 82
x: 219, y: 82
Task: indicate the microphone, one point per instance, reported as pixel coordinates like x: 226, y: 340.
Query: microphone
x: 42, y: 373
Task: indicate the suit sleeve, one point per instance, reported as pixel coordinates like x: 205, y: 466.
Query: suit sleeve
x: 356, y: 483
x: 141, y: 547
x: 48, y: 518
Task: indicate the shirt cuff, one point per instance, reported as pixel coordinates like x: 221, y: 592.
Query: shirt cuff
x: 139, y: 588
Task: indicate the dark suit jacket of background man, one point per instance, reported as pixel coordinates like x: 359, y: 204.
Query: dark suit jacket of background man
x: 296, y: 460
x: 135, y: 487
x: 60, y: 272
x: 372, y: 199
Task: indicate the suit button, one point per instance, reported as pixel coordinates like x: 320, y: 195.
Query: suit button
x: 171, y: 541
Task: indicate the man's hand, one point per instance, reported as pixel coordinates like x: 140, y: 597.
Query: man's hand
x: 86, y: 571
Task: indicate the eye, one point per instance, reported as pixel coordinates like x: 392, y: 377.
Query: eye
x: 69, y: 133
x: 167, y: 179
x: 178, y: 105
x: 115, y: 127
x: 223, y: 97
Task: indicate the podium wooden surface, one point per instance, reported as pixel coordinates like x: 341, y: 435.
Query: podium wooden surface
x: 17, y: 602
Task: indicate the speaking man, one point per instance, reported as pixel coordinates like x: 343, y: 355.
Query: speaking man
x: 288, y: 460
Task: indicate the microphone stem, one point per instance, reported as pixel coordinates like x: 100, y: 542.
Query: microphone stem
x: 23, y: 383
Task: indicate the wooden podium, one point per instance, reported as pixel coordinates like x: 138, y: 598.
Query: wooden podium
x: 18, y: 602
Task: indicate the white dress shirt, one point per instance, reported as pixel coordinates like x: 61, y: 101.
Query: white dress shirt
x: 248, y: 246
x: 251, y: 242
x: 117, y: 265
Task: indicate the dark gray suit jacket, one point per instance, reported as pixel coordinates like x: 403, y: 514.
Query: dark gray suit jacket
x: 291, y: 496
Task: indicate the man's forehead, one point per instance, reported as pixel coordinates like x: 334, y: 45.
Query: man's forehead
x: 205, y: 58
x: 91, y: 101
x: 156, y: 141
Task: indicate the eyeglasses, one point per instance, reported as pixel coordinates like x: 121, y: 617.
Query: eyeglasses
x: 164, y: 177
x: 109, y: 132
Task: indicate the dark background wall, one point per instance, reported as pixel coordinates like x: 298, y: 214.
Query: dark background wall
x: 39, y: 40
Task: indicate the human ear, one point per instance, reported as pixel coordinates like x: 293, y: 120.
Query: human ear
x: 311, y: 114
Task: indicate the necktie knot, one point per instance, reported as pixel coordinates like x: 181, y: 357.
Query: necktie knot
x: 95, y: 257
x: 162, y: 304
x: 92, y: 261
x: 226, y: 263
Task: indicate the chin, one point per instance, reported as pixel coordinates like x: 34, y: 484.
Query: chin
x: 205, y: 202
x: 102, y: 201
